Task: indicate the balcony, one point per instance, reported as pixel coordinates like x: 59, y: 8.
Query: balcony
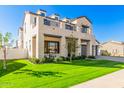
x: 51, y: 23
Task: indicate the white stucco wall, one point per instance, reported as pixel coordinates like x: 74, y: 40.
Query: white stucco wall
x: 15, y: 53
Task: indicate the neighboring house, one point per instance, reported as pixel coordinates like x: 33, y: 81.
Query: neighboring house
x: 42, y: 35
x: 115, y: 48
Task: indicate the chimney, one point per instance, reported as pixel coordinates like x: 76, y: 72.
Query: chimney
x: 41, y: 12
x: 55, y: 16
x: 66, y: 20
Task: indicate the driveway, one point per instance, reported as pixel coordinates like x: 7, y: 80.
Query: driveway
x: 113, y: 80
x: 119, y: 59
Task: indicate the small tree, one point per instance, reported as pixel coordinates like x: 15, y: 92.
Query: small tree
x: 72, y: 45
x: 4, y: 42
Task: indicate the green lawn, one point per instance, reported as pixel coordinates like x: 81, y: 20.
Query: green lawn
x: 22, y: 73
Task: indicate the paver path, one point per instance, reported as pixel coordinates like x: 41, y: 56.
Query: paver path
x: 120, y: 59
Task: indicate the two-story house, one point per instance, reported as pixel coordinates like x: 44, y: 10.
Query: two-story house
x: 41, y: 35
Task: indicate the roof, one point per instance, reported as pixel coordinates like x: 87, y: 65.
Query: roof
x: 21, y: 28
x: 42, y: 10
x: 58, y: 15
x: 118, y: 42
x: 97, y: 41
x: 82, y: 17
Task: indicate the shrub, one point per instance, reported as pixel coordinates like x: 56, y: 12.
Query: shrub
x: 83, y: 57
x: 92, y: 57
x: 58, y: 59
x: 63, y: 58
x: 77, y: 57
x: 35, y: 60
x: 48, y: 59
x: 105, y: 53
x: 67, y: 58
x: 42, y: 60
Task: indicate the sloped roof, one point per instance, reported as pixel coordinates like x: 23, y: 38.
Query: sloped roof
x: 82, y: 17
x: 118, y: 42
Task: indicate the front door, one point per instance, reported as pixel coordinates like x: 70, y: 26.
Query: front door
x: 84, y: 50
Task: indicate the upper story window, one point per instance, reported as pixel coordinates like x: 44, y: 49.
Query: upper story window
x: 34, y: 20
x: 42, y: 14
x: 56, y: 18
x: 69, y: 27
x: 51, y: 23
x: 84, y: 29
x: 68, y: 21
x: 46, y: 22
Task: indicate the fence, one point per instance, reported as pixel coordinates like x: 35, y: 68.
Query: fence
x: 14, y: 53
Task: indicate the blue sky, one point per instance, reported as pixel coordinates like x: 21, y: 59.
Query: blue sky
x: 108, y: 21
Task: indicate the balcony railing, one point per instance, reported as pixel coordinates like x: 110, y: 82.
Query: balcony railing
x: 51, y: 23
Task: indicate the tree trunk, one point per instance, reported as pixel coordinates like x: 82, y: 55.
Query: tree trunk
x: 70, y: 57
x: 4, y: 62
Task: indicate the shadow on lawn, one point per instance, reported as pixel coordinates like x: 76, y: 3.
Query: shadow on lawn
x: 95, y: 63
x: 40, y: 73
x: 11, y: 66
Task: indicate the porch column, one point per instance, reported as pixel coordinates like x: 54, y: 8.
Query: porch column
x: 40, y: 46
x: 78, y: 47
x: 89, y: 48
x: 63, y: 47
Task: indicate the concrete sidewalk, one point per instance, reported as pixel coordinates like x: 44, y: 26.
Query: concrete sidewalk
x: 113, y: 80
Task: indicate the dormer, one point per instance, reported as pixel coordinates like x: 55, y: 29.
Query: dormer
x: 66, y: 20
x: 55, y: 16
x: 41, y: 12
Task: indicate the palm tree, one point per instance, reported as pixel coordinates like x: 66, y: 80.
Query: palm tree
x: 4, y: 42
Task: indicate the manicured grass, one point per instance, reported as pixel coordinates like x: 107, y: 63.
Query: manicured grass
x: 22, y: 73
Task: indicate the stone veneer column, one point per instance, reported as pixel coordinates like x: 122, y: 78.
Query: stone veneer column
x: 89, y: 48
x: 78, y: 49
x: 40, y: 40
x: 63, y: 48
x: 41, y: 46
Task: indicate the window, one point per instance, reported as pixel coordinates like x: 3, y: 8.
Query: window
x: 56, y: 18
x: 46, y: 22
x: 56, y: 24
x: 75, y: 28
x: 69, y: 27
x: 34, y: 20
x: 51, y: 23
x: 68, y: 21
x: 51, y: 47
x: 84, y: 29
x: 42, y: 14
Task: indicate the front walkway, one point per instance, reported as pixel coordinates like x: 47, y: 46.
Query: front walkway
x: 113, y: 80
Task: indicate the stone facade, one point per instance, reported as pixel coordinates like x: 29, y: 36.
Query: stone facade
x: 38, y: 28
